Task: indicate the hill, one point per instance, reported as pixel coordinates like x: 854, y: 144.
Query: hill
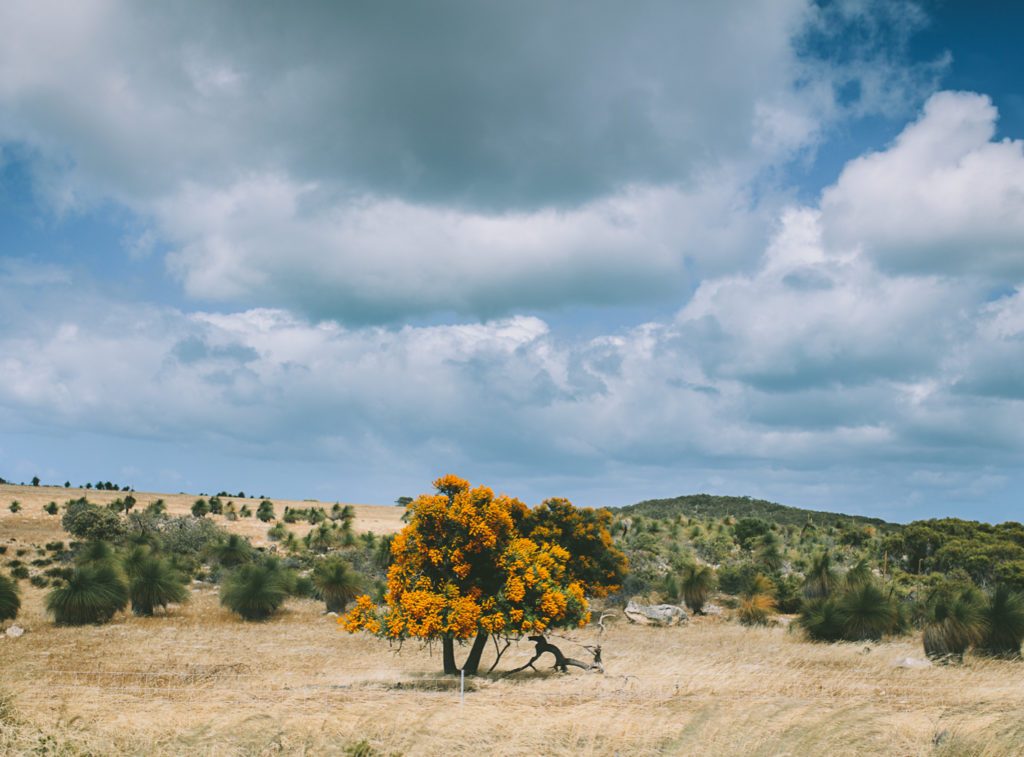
x: 710, y: 506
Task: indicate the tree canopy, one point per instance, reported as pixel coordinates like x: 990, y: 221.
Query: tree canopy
x: 471, y: 564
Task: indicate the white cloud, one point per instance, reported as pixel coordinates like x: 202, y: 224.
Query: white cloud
x: 268, y: 239
x: 944, y: 198
x: 362, y: 166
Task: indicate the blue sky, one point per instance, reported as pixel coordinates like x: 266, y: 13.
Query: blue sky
x: 588, y: 250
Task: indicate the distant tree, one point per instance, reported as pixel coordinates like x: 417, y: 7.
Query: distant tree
x: 50, y: 508
x: 129, y: 503
x: 88, y: 486
x: 747, y: 530
x: 67, y: 484
x: 265, y: 512
x: 200, y: 508
x: 35, y: 481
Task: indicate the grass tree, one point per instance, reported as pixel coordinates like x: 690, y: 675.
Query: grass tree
x: 956, y: 621
x: 337, y: 583
x: 821, y: 578
x: 866, y: 613
x: 95, y: 554
x: 154, y: 583
x: 696, y: 582
x: 232, y: 550
x: 1004, y: 623
x: 255, y: 591
x: 10, y: 601
x: 92, y: 594
x: 757, y: 604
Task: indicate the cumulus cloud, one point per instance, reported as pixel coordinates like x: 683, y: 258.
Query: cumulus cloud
x: 266, y: 239
x: 369, y: 165
x: 944, y: 198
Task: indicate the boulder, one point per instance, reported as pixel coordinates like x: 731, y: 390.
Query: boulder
x: 15, y: 631
x: 912, y: 662
x: 655, y: 615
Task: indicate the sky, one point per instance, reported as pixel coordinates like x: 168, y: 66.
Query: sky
x: 604, y: 251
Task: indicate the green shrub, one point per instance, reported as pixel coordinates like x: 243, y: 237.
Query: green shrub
x: 92, y: 594
x: 10, y: 601
x: 15, y: 506
x: 50, y: 508
x: 254, y: 591
x: 200, y: 508
x: 90, y: 522
x: 245, y: 512
x: 20, y: 571
x: 39, y: 581
x: 277, y: 531
x: 55, y: 546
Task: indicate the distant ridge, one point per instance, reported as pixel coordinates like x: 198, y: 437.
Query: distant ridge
x: 706, y: 506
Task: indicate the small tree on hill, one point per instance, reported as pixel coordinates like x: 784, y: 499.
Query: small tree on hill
x: 471, y: 564
x: 265, y: 512
x: 35, y: 481
x: 200, y: 508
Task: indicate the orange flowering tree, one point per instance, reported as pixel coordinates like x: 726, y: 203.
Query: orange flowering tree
x: 471, y: 565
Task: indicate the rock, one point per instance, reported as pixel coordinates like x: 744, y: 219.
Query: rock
x: 15, y: 631
x: 655, y: 615
x: 332, y: 615
x: 912, y: 662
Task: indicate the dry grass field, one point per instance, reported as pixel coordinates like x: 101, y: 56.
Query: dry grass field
x: 197, y: 680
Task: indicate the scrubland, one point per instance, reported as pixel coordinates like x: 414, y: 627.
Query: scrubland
x: 198, y: 680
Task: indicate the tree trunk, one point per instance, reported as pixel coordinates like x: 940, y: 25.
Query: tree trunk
x: 473, y: 661
x: 448, y: 655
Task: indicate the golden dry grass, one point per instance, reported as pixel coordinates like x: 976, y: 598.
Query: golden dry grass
x: 197, y: 680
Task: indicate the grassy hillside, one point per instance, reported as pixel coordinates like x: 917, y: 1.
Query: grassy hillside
x: 709, y: 506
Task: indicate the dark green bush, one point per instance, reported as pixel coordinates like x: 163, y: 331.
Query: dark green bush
x: 10, y: 602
